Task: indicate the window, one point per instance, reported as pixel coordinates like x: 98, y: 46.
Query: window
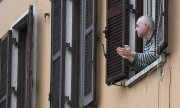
x: 5, y: 72
x: 83, y: 54
x: 23, y: 44
x: 17, y: 68
x: 121, y: 15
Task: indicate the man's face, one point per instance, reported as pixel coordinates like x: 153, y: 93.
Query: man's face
x: 140, y: 28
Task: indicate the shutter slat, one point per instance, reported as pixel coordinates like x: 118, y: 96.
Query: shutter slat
x: 88, y: 64
x: 112, y: 3
x: 117, y: 35
x: 89, y: 13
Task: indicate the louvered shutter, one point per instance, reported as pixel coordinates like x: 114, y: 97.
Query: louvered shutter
x: 161, y: 24
x: 116, y: 35
x: 89, y: 67
x: 5, y: 72
x: 58, y: 56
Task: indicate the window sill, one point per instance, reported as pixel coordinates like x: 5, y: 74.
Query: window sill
x: 159, y: 62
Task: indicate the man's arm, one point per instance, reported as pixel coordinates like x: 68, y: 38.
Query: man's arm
x: 142, y: 60
x: 138, y: 61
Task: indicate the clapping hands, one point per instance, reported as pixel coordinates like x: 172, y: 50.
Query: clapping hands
x: 126, y: 52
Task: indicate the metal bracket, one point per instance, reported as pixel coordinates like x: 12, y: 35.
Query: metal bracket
x: 49, y: 98
x: 15, y: 42
x: 14, y: 90
x: 68, y: 100
x: 68, y: 46
x: 130, y: 8
x: 46, y: 15
x: 105, y: 32
x: 105, y: 54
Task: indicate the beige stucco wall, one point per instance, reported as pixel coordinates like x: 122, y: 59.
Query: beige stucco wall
x: 10, y: 11
x: 151, y: 91
x: 145, y: 93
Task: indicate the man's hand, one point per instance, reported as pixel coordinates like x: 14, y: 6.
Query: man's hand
x: 126, y: 52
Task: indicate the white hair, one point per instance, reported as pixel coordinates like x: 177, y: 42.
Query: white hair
x: 149, y: 20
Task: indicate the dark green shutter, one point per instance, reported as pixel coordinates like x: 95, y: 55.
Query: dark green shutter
x: 116, y: 35
x: 89, y: 37
x: 161, y: 24
x: 58, y: 55
x: 5, y: 72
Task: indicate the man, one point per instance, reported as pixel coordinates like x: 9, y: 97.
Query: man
x: 138, y: 61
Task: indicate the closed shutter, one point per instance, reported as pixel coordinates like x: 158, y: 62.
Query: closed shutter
x: 5, y: 72
x: 116, y: 35
x: 58, y: 56
x: 89, y: 37
x: 161, y: 24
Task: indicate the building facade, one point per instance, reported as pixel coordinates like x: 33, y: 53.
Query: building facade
x: 62, y: 54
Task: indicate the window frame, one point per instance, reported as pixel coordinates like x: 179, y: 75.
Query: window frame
x: 148, y: 9
x: 27, y: 18
x: 6, y: 61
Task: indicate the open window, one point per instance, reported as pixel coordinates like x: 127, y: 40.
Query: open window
x: 23, y: 59
x: 119, y: 18
x: 16, y: 72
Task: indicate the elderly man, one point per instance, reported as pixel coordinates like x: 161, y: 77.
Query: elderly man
x: 138, y: 61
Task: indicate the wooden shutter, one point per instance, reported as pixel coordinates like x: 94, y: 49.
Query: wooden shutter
x: 161, y: 24
x: 89, y: 37
x: 58, y: 56
x: 28, y: 59
x: 5, y: 72
x: 116, y: 35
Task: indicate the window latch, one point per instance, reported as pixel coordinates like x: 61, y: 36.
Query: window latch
x: 130, y: 8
